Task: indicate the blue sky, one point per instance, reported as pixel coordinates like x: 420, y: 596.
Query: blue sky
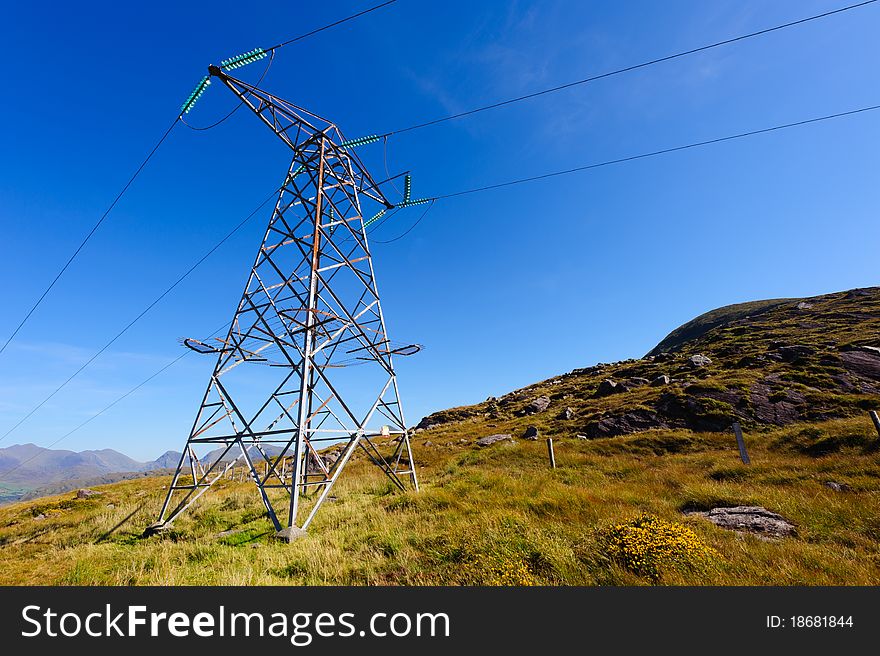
x: 503, y: 288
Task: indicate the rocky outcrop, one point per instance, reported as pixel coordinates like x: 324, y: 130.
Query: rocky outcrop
x: 531, y: 433
x: 863, y: 362
x: 625, y: 423
x: 750, y: 519
x: 489, y: 440
x: 777, y: 409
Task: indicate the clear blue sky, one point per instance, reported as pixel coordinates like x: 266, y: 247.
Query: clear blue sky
x: 504, y: 288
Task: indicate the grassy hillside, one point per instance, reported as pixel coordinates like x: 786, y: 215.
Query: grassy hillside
x: 497, y: 515
x: 800, y: 379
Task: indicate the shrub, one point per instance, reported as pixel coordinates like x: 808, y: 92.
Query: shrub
x: 648, y: 546
x: 504, y: 573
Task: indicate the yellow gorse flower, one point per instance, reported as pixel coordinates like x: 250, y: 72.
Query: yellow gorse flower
x: 647, y: 546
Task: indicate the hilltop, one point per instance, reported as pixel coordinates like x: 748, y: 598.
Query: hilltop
x: 768, y: 363
x: 643, y: 448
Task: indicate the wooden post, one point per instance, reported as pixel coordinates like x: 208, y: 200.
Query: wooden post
x: 876, y: 421
x: 743, y: 454
x: 550, y: 453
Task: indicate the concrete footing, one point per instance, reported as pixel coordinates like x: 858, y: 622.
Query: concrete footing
x: 154, y: 529
x: 290, y: 534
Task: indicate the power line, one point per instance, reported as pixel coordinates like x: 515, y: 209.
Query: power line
x: 167, y: 291
x: 334, y: 24
x: 408, y: 230
x: 627, y: 69
x: 149, y: 156
x: 107, y: 407
x: 655, y: 153
x: 631, y: 158
x: 89, y: 235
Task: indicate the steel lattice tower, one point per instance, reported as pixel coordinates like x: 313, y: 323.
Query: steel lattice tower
x: 285, y: 382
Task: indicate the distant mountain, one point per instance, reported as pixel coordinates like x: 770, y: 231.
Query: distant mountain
x: 28, y: 471
x: 167, y: 460
x: 28, y: 467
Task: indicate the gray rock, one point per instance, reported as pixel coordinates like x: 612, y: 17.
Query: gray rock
x: 232, y: 531
x: 803, y: 305
x: 750, y: 519
x: 581, y: 437
x: 637, y: 382
x: 489, y: 440
x: 40, y: 517
x: 538, y: 405
x: 85, y: 494
x: 429, y: 443
x: 608, y: 387
x: 699, y: 360
x: 837, y: 486
x: 566, y: 414
x: 660, y: 381
x: 531, y: 433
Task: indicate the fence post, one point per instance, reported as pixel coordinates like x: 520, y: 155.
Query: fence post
x: 876, y: 421
x: 741, y: 443
x: 550, y: 453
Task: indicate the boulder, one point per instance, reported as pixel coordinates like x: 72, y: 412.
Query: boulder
x: 531, y: 433
x: 538, y: 405
x: 86, y: 493
x: 698, y: 360
x: 750, y: 519
x: 610, y: 386
x: 803, y: 305
x: 493, y: 439
x: 566, y: 414
x: 837, y: 486
x: 660, y: 381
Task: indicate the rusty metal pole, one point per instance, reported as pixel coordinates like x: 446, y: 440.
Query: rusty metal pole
x: 550, y: 453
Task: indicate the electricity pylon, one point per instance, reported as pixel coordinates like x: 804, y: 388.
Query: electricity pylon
x: 307, y: 361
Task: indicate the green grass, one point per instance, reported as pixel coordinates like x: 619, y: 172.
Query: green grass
x: 487, y: 516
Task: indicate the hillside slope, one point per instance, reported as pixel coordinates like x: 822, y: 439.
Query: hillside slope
x: 769, y: 364
x: 799, y: 378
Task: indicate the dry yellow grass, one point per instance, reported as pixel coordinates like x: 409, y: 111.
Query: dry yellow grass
x: 492, y: 516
